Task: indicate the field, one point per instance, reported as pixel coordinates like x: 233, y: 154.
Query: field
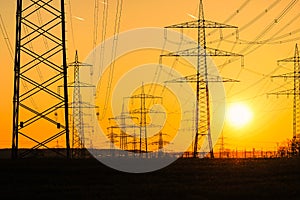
x: 184, y: 179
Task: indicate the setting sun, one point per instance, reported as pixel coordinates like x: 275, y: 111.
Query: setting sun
x: 239, y: 115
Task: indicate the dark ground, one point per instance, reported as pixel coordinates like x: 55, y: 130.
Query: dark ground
x: 184, y: 179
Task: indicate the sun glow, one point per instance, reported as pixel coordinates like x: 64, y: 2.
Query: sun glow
x: 239, y: 115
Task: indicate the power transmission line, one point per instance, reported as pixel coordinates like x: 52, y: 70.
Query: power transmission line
x: 113, y: 55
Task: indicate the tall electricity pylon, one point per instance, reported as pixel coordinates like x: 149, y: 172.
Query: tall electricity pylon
x: 202, y: 78
x: 295, y: 75
x: 78, y: 134
x: 34, y: 126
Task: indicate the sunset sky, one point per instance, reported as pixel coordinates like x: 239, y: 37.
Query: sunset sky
x: 268, y: 31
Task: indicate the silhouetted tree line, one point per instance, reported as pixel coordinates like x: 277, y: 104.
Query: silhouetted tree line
x: 291, y: 149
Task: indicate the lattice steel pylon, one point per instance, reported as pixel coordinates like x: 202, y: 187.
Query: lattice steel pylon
x: 36, y: 124
x: 160, y: 142
x: 123, y: 127
x: 295, y: 75
x: 189, y: 125
x: 202, y: 78
x: 77, y: 105
x: 112, y: 136
x: 142, y: 111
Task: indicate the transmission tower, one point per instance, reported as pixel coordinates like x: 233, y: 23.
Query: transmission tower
x: 123, y: 135
x: 222, y: 145
x: 160, y: 142
x: 143, y: 111
x: 188, y: 121
x: 122, y: 125
x: 134, y: 142
x: 112, y: 135
x: 78, y: 134
x: 202, y: 78
x: 295, y: 75
x: 28, y: 118
x: 90, y: 136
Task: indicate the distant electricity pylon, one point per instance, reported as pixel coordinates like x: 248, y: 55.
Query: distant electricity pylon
x: 160, y: 142
x: 202, y: 78
x: 142, y: 112
x: 295, y: 75
x: 35, y: 126
x: 123, y: 127
x: 112, y: 137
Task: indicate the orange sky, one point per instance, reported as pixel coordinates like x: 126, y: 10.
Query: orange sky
x: 272, y: 117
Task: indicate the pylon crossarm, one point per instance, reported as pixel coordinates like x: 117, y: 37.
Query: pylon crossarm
x: 82, y: 105
x: 201, y: 24
x: 79, y: 64
x: 156, y: 143
x: 195, y: 52
x: 124, y: 127
x: 291, y: 59
x: 82, y: 84
x: 193, y: 79
x: 113, y: 127
x: 138, y: 111
x: 122, y: 117
x: 146, y: 96
x: 284, y: 92
x: 218, y: 52
x: 212, y: 78
x: 146, y: 111
x: 158, y: 134
x: 155, y: 112
x: 287, y: 75
x: 70, y: 85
